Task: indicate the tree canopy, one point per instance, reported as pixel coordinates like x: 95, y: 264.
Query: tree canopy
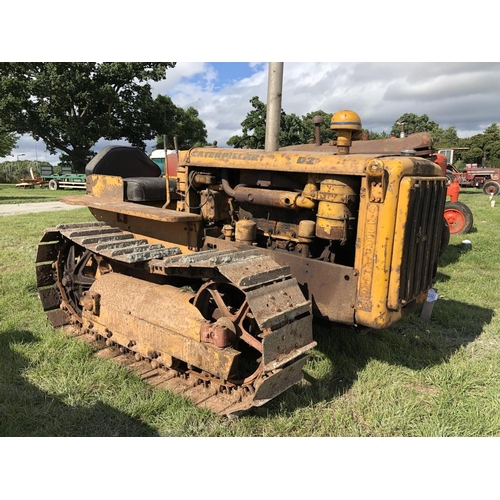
x: 70, y: 106
x: 253, y: 127
x: 293, y: 129
x: 7, y: 142
x: 482, y: 148
x: 411, y: 123
x: 185, y: 125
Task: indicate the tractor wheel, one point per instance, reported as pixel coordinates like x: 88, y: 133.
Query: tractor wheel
x: 53, y: 185
x: 451, y: 177
x: 459, y: 217
x: 491, y: 188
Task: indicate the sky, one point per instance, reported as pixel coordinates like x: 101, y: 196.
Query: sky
x: 464, y: 95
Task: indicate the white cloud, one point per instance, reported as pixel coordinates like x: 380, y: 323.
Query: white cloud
x: 464, y: 95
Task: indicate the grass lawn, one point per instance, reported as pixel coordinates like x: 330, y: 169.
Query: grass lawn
x: 10, y: 194
x: 437, y: 379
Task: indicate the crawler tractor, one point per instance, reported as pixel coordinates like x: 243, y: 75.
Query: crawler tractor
x: 207, y: 284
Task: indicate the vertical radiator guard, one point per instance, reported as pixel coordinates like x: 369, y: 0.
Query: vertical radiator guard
x: 416, y: 241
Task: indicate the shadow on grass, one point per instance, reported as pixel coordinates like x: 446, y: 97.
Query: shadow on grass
x: 474, y: 191
x: 26, y: 410
x: 25, y: 199
x: 453, y: 253
x: 409, y: 344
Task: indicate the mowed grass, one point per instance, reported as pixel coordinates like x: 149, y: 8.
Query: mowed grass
x: 10, y: 194
x: 437, y: 379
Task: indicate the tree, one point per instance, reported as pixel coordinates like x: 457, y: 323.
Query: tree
x: 492, y: 145
x: 70, y: 106
x: 413, y: 124
x: 326, y: 133
x: 484, y: 147
x: 377, y: 135
x: 8, y: 141
x: 293, y: 129
x: 253, y: 127
x: 446, y: 138
x: 185, y: 125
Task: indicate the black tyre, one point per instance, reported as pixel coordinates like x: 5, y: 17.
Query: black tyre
x: 459, y: 217
x: 445, y: 237
x: 491, y: 188
x: 53, y: 185
x: 451, y: 177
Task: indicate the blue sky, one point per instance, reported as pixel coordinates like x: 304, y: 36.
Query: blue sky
x: 232, y: 72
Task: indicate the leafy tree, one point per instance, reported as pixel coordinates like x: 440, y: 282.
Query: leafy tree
x: 293, y: 129
x: 185, y: 125
x: 70, y: 106
x: 7, y: 142
x: 446, y: 138
x: 377, y: 135
x: 484, y: 147
x: 492, y: 145
x: 310, y: 133
x: 413, y: 124
x: 253, y: 127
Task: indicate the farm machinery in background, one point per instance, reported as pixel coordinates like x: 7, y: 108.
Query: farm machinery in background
x: 65, y: 180
x: 457, y: 214
x: 47, y: 178
x: 485, y: 178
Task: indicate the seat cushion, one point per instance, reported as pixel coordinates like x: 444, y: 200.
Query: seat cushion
x: 122, y: 161
x: 145, y: 189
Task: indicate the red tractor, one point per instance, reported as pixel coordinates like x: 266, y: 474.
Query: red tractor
x: 487, y: 178
x: 457, y: 214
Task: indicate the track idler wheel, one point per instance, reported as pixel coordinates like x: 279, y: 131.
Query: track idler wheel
x: 233, y: 324
x: 77, y: 269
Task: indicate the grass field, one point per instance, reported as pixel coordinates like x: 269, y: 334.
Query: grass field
x: 10, y: 194
x: 437, y: 379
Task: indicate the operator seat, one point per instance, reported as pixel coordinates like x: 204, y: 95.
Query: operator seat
x: 142, y: 177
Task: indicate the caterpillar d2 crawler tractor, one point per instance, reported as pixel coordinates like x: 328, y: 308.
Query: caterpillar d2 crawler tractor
x: 207, y: 284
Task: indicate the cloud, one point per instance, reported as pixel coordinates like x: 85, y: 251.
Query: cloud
x: 453, y: 94
x: 463, y: 95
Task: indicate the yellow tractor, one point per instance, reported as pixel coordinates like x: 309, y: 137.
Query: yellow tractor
x: 208, y: 283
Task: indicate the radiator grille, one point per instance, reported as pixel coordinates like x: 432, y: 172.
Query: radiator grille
x: 422, y: 236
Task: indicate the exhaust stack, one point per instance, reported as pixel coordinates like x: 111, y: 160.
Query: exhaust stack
x: 273, y: 116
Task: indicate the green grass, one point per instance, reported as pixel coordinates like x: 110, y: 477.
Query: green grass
x: 10, y: 194
x: 437, y: 379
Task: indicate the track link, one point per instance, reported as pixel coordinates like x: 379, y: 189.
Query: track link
x: 272, y: 294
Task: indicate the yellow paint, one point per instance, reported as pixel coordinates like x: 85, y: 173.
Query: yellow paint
x: 292, y: 161
x: 110, y: 187
x: 379, y: 235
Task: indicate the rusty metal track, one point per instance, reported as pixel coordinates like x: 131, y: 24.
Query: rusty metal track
x: 273, y: 295
x: 205, y: 394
